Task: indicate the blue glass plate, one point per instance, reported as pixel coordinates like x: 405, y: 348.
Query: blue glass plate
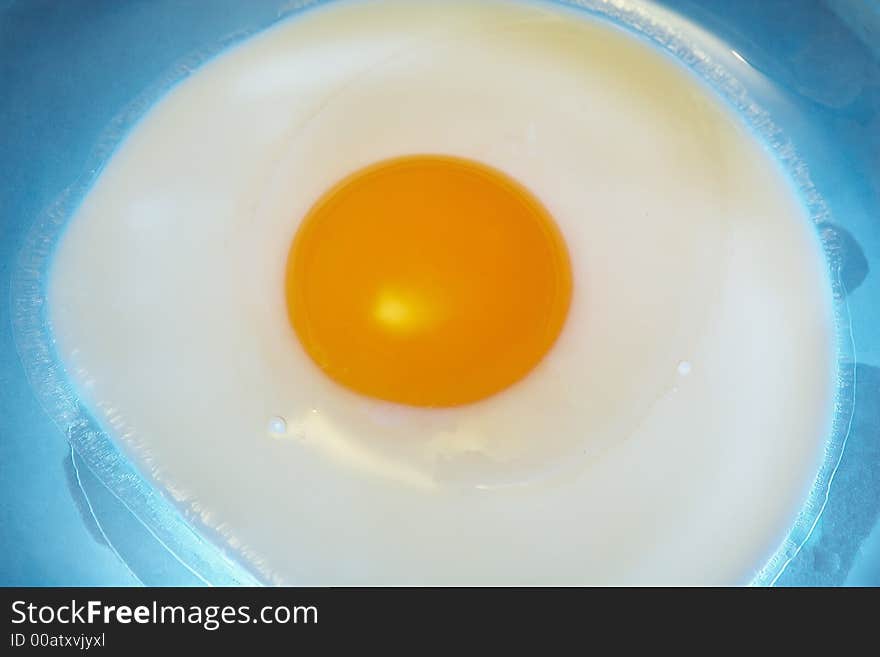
x: 75, y: 76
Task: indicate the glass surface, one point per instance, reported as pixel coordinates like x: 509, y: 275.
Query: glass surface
x: 76, y: 75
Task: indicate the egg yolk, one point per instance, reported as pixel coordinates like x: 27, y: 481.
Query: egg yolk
x: 428, y: 280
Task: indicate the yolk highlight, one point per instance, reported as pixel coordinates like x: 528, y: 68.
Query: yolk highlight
x: 428, y: 280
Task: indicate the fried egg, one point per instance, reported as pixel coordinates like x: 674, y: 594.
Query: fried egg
x: 454, y: 293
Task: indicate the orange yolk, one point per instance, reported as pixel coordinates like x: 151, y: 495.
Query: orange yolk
x: 428, y: 280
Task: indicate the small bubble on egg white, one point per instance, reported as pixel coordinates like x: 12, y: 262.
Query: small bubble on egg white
x: 684, y: 368
x: 277, y: 426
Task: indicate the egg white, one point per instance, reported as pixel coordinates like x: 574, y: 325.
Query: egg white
x: 686, y: 399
